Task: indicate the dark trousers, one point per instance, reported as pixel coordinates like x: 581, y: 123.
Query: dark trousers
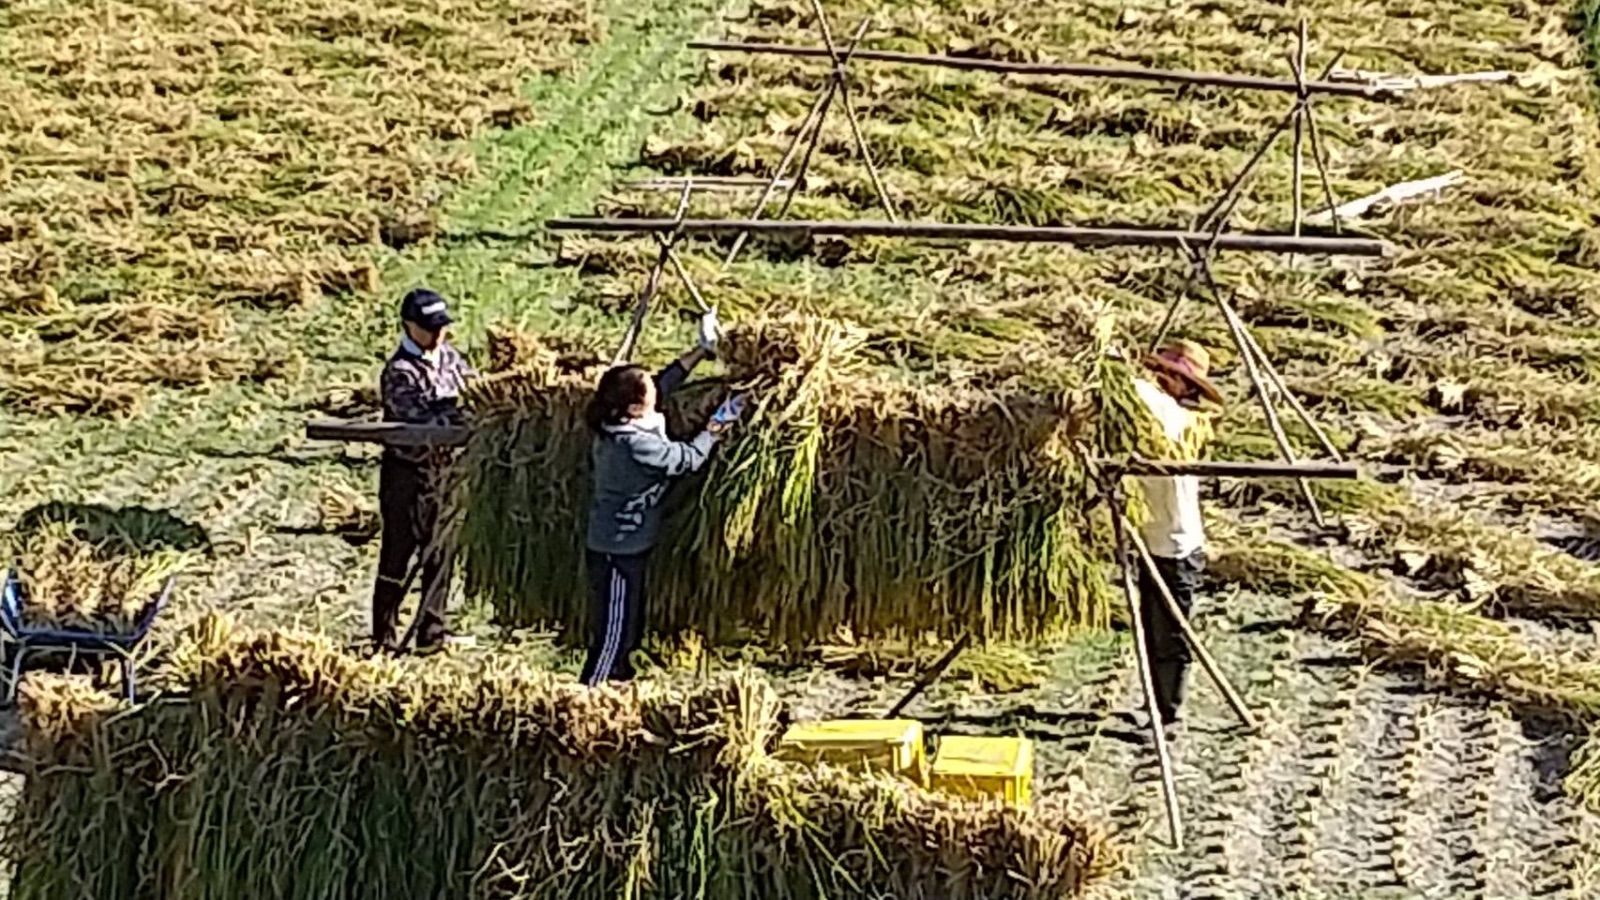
x: 409, y: 505
x: 1169, y: 652
x: 616, y: 615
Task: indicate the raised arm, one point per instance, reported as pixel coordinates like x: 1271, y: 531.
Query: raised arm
x: 668, y: 379
x: 676, y: 372
x: 674, y: 457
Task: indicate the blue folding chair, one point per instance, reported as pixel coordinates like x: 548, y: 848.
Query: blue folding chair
x: 26, y: 640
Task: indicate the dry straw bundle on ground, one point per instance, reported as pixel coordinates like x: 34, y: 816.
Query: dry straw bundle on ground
x: 1583, y: 781
x: 72, y: 582
x: 286, y: 769
x: 1543, y: 676
x: 222, y: 156
x: 1475, y: 653
x: 852, y: 498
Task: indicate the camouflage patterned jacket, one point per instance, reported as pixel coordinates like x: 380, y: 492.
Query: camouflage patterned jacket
x: 424, y: 389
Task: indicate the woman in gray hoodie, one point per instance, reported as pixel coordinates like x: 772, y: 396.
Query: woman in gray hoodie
x: 634, y: 461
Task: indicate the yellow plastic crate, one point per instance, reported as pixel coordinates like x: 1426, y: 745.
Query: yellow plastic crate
x: 885, y: 745
x: 996, y: 768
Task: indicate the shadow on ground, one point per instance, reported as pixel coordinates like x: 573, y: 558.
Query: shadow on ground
x: 128, y: 529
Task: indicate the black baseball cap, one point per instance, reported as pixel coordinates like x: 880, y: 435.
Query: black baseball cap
x: 425, y: 308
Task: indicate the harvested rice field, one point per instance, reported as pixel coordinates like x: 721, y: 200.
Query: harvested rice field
x: 209, y: 208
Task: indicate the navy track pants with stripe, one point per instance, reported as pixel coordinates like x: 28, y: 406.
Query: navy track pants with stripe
x: 616, y: 615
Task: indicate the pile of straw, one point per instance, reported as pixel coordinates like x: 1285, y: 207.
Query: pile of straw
x: 206, y: 157
x: 847, y: 500
x: 75, y: 583
x: 1473, y: 652
x: 1281, y: 567
x: 288, y: 769
x: 1508, y: 571
x: 1583, y: 781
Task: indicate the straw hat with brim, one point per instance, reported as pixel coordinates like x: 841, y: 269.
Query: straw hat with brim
x: 1188, y: 361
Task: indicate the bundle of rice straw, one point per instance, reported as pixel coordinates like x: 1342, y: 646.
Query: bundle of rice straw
x: 281, y: 767
x: 72, y: 582
x: 847, y: 501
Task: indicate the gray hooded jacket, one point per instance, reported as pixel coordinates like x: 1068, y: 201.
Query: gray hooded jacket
x: 633, y: 465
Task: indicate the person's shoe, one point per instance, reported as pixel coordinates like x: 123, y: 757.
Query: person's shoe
x: 445, y: 642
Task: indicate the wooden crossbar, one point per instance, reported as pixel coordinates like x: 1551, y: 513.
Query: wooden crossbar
x: 1367, y: 91
x: 1083, y: 236
x: 393, y: 434
x: 1159, y: 467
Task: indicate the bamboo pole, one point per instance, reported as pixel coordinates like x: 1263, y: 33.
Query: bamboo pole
x: 1225, y: 204
x: 1322, y: 172
x: 1301, y: 59
x: 831, y: 91
x: 1171, y: 317
x: 1182, y: 620
x: 701, y: 183
x: 1266, y: 363
x: 1162, y: 467
x: 818, y: 105
x: 811, y: 147
x: 931, y: 675
x: 866, y: 155
x: 1169, y: 788
x: 1088, y: 236
x: 1215, y: 213
x: 1289, y: 398
x: 391, y: 434
x: 1237, y: 328
x: 631, y: 336
x: 841, y: 74
x: 815, y: 118
x: 683, y: 273
x: 1066, y: 70
x: 1299, y: 132
x: 1316, y: 150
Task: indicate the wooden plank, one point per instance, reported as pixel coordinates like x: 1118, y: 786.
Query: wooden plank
x: 1368, y: 91
x: 701, y: 183
x: 1083, y: 236
x: 1392, y: 195
x: 393, y: 434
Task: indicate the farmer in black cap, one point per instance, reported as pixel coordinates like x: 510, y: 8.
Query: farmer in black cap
x: 421, y: 384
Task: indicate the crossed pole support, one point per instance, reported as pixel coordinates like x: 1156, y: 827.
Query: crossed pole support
x: 668, y: 255
x: 838, y: 85
x: 1268, y: 384
x: 1132, y: 553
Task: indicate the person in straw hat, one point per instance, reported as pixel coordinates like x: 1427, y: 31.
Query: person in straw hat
x: 1175, y: 386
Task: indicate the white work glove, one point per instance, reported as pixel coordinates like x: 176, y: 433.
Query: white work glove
x: 710, y: 333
